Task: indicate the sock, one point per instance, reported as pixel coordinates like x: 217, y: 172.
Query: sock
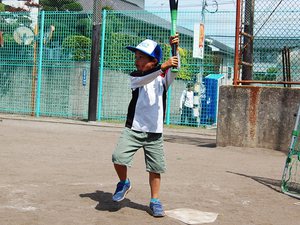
x: 125, y: 181
x: 154, y: 200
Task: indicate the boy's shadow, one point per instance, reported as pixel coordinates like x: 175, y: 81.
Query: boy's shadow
x: 105, y: 202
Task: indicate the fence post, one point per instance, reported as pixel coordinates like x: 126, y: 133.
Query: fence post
x: 168, y: 110
x: 247, y: 63
x: 40, y: 64
x: 101, y: 65
x: 94, y: 71
x: 237, y: 44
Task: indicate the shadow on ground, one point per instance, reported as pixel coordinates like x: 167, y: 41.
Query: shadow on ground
x: 105, y: 202
x: 268, y: 182
x: 197, y: 141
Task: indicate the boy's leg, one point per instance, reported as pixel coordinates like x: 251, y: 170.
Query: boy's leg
x: 124, y: 186
x: 155, y: 204
x: 183, y: 115
x: 190, y: 117
x: 154, y: 180
x: 121, y: 171
x: 127, y: 145
x: 155, y: 165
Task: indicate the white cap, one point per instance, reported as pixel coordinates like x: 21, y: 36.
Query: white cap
x: 148, y: 47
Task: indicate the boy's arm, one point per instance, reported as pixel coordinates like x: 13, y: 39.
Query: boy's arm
x: 172, y: 62
x: 139, y: 79
x: 170, y: 76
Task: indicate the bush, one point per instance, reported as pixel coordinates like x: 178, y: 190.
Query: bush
x: 79, y: 47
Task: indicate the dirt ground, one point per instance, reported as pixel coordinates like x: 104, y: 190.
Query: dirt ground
x: 59, y: 172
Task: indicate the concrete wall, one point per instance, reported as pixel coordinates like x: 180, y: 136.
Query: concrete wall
x: 260, y: 117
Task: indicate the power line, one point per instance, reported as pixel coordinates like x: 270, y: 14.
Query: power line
x: 269, y: 17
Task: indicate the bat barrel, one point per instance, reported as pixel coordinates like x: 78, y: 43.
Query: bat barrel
x: 173, y: 9
x: 173, y: 4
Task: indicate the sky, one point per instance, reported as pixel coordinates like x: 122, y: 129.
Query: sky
x: 220, y: 26
x: 278, y: 18
x: 190, y: 5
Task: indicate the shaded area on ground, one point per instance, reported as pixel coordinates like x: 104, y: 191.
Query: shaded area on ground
x: 105, y: 202
x: 197, y: 141
x: 268, y: 182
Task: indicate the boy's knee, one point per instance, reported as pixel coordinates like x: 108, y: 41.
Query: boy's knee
x: 120, y: 159
x: 115, y: 157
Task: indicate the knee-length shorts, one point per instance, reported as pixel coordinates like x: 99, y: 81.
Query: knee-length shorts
x: 131, y: 141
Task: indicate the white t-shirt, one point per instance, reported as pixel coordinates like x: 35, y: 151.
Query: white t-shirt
x: 187, y: 99
x: 148, y: 104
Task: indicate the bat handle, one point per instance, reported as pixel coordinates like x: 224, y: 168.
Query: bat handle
x: 174, y: 53
x: 174, y: 50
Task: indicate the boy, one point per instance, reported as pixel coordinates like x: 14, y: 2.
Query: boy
x: 186, y: 105
x: 144, y: 123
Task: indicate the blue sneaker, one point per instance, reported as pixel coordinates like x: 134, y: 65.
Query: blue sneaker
x: 121, y: 191
x: 157, y: 209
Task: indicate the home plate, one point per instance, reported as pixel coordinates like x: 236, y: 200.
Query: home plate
x: 192, y: 216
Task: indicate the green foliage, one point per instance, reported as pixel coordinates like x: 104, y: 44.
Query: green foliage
x: 269, y: 75
x: 9, y: 39
x: 59, y: 5
x: 184, y: 73
x: 264, y: 76
x: 2, y: 7
x: 118, y: 57
x: 272, y: 70
x: 84, y: 26
x: 107, y: 7
x: 24, y: 20
x: 12, y: 50
x: 67, y: 24
x: 115, y: 23
x: 78, y: 47
x: 75, y: 6
x: 211, y: 64
x: 61, y: 32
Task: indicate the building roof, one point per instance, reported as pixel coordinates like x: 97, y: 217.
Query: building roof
x: 275, y: 43
x: 114, y: 4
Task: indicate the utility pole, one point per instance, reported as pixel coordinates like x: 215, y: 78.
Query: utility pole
x: 247, y: 62
x: 95, y: 55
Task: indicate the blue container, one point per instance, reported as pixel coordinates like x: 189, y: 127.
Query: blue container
x: 209, y: 104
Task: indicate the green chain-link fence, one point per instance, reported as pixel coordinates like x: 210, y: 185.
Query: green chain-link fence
x: 44, y: 71
x: 276, y: 39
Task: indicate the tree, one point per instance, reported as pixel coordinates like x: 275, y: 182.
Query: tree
x: 61, y: 5
x: 2, y: 7
x: 27, y: 6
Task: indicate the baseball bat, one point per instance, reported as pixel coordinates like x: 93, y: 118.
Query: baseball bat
x: 173, y: 10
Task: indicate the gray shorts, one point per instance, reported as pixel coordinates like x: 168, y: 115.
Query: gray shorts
x: 130, y: 141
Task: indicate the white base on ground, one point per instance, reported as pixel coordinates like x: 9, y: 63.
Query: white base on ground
x: 192, y: 216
